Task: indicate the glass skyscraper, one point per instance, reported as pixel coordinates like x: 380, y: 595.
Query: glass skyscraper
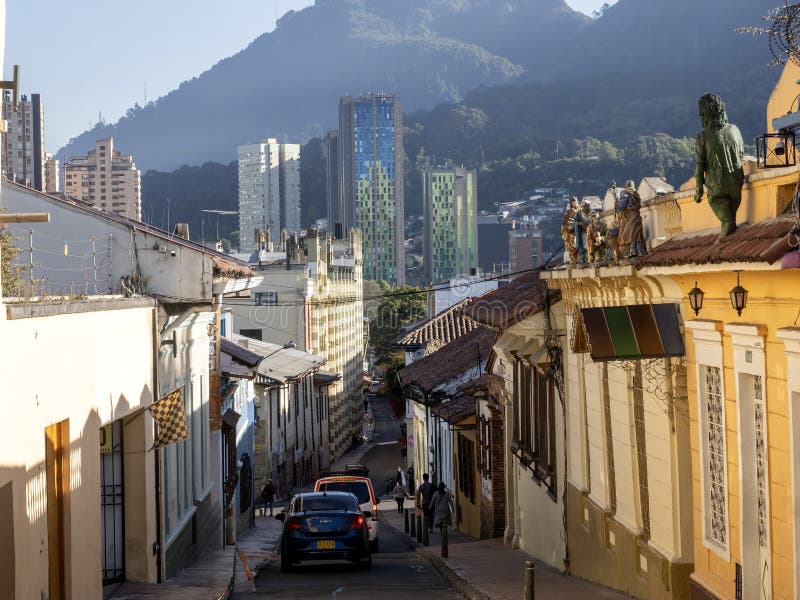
x: 371, y: 162
x: 451, y: 222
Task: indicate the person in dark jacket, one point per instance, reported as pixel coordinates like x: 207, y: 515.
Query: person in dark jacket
x: 423, y: 499
x: 268, y: 496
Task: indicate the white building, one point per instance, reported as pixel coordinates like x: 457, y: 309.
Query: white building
x: 269, y: 190
x: 105, y: 178
x: 312, y: 295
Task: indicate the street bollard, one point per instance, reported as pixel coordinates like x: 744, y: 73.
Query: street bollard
x: 413, y: 530
x: 528, y: 593
x: 419, y: 529
x: 425, y: 526
x: 405, y: 513
x: 444, y: 540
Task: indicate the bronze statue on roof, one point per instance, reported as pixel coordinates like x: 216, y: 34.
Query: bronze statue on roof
x: 719, y: 151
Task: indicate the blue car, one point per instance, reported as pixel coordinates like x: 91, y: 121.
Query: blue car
x: 324, y: 526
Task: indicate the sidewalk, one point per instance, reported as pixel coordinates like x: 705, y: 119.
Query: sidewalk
x: 210, y: 577
x: 487, y: 570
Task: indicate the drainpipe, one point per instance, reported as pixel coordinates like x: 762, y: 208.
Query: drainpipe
x: 158, y: 545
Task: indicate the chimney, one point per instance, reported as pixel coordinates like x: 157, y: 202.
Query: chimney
x: 181, y: 230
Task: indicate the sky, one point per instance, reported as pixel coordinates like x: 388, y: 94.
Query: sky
x: 96, y: 57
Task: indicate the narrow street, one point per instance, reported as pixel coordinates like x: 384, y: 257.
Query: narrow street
x: 397, y: 572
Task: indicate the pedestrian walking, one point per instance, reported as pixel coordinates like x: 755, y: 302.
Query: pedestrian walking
x: 442, y: 506
x: 399, y: 493
x: 423, y: 499
x: 267, y: 497
x: 401, y: 476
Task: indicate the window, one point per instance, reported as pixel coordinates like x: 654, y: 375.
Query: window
x: 485, y: 441
x: 266, y: 298
x: 466, y: 467
x: 255, y: 334
x: 715, y: 485
x: 535, y: 424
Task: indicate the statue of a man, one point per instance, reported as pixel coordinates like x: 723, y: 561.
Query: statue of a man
x: 583, y: 218
x: 632, y: 232
x: 568, y: 229
x: 718, y: 163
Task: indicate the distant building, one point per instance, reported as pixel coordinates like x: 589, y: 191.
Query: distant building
x: 105, y: 178
x: 23, y: 143
x: 524, y: 246
x: 269, y: 190
x: 493, y: 243
x: 52, y: 179
x: 337, y: 211
x: 371, y: 155
x: 450, y: 204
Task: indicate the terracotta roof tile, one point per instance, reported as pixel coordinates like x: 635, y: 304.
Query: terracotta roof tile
x: 764, y: 242
x: 447, y: 326
x: 450, y: 361
x: 511, y: 303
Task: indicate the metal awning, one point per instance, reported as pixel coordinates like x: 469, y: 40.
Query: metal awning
x: 321, y: 378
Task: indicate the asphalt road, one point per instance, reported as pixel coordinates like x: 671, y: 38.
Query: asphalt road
x: 397, y: 573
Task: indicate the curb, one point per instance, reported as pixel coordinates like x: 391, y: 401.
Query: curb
x: 461, y: 585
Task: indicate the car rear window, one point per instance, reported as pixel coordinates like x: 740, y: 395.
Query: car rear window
x: 325, y: 503
x: 359, y: 488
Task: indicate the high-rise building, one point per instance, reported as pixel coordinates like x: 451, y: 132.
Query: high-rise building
x: 450, y: 205
x: 333, y: 187
x: 524, y: 246
x: 106, y: 178
x: 371, y: 155
x: 23, y: 143
x: 269, y: 190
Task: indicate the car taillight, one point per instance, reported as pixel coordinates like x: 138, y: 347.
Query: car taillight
x: 294, y: 524
x: 374, y: 512
x: 357, y: 522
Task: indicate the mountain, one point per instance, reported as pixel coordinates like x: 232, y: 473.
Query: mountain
x: 287, y: 83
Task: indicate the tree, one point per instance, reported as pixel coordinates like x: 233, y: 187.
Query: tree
x: 398, y: 307
x: 10, y: 273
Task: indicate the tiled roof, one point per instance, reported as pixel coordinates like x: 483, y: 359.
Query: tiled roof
x: 456, y: 409
x: 511, y: 303
x: 449, y: 362
x: 442, y: 329
x: 764, y: 242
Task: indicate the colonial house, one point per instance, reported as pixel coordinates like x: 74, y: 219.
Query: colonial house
x: 432, y: 384
x: 522, y: 417
x: 172, y: 510
x: 291, y: 400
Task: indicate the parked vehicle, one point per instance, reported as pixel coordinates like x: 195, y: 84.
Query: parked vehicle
x: 324, y: 526
x: 361, y: 487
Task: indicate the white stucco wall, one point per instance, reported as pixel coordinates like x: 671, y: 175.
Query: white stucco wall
x: 91, y: 368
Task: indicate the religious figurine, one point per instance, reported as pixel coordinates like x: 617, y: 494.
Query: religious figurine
x: 568, y: 229
x: 719, y: 150
x: 632, y: 232
x: 599, y: 249
x: 583, y: 219
x: 614, y: 241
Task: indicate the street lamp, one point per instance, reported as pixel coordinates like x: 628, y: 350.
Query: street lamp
x: 286, y: 346
x: 696, y: 299
x: 738, y: 296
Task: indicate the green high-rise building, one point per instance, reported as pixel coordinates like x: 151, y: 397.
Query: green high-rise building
x: 450, y: 196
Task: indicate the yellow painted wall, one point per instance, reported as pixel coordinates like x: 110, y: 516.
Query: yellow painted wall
x: 774, y: 301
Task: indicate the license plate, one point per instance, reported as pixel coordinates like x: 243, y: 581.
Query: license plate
x: 326, y: 545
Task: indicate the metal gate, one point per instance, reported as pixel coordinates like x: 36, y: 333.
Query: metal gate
x: 112, y: 503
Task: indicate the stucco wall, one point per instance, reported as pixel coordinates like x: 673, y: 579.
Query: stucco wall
x: 91, y: 368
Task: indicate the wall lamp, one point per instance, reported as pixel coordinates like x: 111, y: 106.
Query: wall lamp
x: 738, y: 296
x: 696, y: 299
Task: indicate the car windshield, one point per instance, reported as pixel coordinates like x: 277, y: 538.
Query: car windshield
x: 324, y: 503
x: 359, y: 488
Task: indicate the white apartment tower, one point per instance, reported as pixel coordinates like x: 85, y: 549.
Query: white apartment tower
x: 269, y: 190
x: 105, y: 178
x: 23, y: 143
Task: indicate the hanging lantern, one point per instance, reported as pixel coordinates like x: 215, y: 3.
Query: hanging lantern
x: 696, y: 299
x: 738, y: 296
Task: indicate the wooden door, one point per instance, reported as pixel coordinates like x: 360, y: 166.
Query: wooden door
x: 57, y: 465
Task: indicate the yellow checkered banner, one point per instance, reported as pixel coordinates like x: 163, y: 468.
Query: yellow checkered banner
x: 168, y: 413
